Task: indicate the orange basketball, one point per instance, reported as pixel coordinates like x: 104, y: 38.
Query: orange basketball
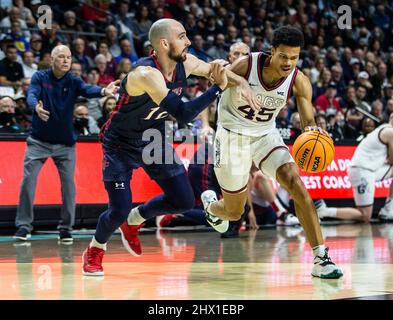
x: 313, y: 151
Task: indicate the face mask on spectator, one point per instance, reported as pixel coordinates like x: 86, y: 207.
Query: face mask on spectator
x: 81, y: 123
x: 6, y: 117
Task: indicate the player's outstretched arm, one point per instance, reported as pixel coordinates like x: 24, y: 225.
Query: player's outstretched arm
x: 149, y: 80
x: 303, y: 93
x: 197, y: 67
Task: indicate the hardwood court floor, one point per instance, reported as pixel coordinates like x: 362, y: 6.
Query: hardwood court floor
x: 267, y: 264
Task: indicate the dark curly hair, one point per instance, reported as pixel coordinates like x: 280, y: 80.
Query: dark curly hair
x: 288, y: 36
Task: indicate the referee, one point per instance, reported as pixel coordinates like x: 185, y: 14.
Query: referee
x: 52, y: 94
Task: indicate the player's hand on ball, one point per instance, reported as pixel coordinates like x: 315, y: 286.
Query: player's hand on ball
x: 218, y: 75
x: 42, y: 113
x: 315, y: 128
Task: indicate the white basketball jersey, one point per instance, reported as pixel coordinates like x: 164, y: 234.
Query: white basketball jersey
x: 371, y: 152
x: 236, y: 115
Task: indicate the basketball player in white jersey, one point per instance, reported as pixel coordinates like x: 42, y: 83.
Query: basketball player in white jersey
x: 260, y: 183
x: 244, y: 136
x: 371, y: 162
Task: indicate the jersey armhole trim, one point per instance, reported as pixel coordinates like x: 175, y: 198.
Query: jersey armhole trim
x: 249, y: 66
x: 379, y: 136
x: 291, y: 84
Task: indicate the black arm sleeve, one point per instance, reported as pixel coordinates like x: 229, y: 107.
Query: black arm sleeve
x: 187, y: 111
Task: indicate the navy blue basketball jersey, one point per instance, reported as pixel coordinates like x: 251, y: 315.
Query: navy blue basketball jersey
x: 134, y: 114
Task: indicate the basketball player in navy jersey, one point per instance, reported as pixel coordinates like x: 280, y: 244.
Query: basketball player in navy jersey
x: 244, y: 136
x: 148, y: 95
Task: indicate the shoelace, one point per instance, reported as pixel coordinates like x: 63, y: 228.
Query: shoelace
x: 325, y: 259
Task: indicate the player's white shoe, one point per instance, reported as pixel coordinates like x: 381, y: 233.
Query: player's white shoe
x: 386, y: 213
x: 324, y: 267
x: 287, y: 219
x: 207, y: 198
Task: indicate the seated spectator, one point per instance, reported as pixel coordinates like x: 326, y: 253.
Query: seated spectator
x: 337, y: 77
x: 11, y: 71
x: 126, y: 52
x: 105, y: 78
x: 355, y: 65
x: 96, y: 11
x: 295, y: 126
x: 388, y: 110
x: 108, y: 106
x: 14, y: 15
x: 123, y: 68
x: 83, y: 123
x: 8, y: 122
x: 328, y: 100
x: 76, y: 69
x: 70, y: 24
x: 23, y: 115
x: 29, y: 67
x: 219, y: 50
x: 387, y: 93
x: 354, y: 117
x: 25, y: 13
x: 363, y: 80
x: 147, y: 49
x: 103, y: 48
x: 112, y: 39
x: 78, y: 55
x: 335, y: 123
x: 320, y: 87
x: 141, y: 23
x: 368, y: 125
x: 349, y: 100
x: 18, y: 39
x: 123, y: 17
x: 191, y: 26
x: 93, y: 76
x: 51, y: 38
x: 319, y: 65
x: 197, y: 49
x: 36, y: 47
x: 377, y: 110
x: 25, y: 86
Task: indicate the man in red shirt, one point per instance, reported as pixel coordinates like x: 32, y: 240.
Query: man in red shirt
x: 328, y: 100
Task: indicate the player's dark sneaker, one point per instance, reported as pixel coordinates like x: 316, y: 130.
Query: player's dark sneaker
x: 22, y: 234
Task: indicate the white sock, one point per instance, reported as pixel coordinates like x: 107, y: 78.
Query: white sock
x: 319, y: 250
x: 95, y: 243
x: 330, y: 212
x: 135, y: 218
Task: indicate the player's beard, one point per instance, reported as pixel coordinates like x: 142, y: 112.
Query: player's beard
x: 176, y: 57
